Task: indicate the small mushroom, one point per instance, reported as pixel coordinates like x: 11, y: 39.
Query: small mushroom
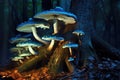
x: 29, y: 45
x: 25, y: 55
x: 70, y: 46
x: 52, y: 39
x: 70, y: 59
x: 18, y: 39
x: 57, y: 14
x: 16, y: 50
x: 18, y: 58
x: 79, y: 33
x: 31, y: 25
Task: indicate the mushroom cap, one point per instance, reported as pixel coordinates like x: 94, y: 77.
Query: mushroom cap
x: 49, y: 38
x: 17, y: 58
x: 57, y: 13
x: 15, y: 49
x: 79, y: 32
x: 28, y: 43
x: 70, y: 45
x: 38, y: 23
x: 25, y: 54
x: 70, y: 59
x: 18, y: 39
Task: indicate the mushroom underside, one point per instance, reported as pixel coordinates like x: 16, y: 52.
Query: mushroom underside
x: 34, y: 31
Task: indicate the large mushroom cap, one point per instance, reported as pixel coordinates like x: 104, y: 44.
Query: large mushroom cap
x: 57, y: 13
x: 28, y: 43
x: 70, y: 45
x: 48, y: 38
x: 38, y: 23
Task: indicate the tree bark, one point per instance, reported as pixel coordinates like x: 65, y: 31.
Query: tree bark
x: 34, y: 3
x: 25, y: 10
x: 65, y: 4
x: 2, y: 57
x: 83, y: 10
x: 57, y: 60
x: 5, y: 31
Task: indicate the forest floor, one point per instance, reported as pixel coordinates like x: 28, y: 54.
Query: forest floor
x: 107, y: 69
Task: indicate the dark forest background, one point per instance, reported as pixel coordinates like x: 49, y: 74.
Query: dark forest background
x: 103, y: 18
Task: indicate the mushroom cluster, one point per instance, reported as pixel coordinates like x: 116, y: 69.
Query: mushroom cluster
x: 49, y: 21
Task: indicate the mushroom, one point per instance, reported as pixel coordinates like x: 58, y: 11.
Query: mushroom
x: 79, y: 33
x: 18, y: 58
x: 52, y: 38
x: 25, y: 55
x: 57, y: 14
x: 31, y: 25
x: 16, y: 49
x: 18, y: 39
x: 70, y: 46
x: 70, y: 59
x: 29, y: 45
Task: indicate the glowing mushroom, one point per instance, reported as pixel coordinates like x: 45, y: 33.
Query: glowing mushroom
x: 16, y: 50
x: 79, y: 33
x: 18, y: 58
x: 18, y: 39
x: 29, y: 45
x: 57, y: 14
x: 70, y: 59
x: 25, y: 55
x: 31, y: 25
x: 70, y: 46
x: 52, y: 39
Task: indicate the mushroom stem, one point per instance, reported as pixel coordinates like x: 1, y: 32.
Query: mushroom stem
x: 51, y: 45
x: 69, y: 65
x: 31, y: 50
x: 19, y: 51
x: 34, y: 31
x: 80, y: 42
x: 27, y: 57
x: 55, y: 26
x: 20, y: 61
x: 70, y: 49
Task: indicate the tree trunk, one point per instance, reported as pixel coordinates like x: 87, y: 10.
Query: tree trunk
x: 5, y: 31
x: 65, y: 4
x: 2, y: 57
x: 25, y: 10
x: 48, y: 3
x: 34, y: 3
x: 83, y: 9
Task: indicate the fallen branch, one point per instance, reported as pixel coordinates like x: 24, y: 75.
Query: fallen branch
x: 36, y: 61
